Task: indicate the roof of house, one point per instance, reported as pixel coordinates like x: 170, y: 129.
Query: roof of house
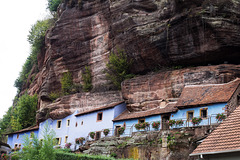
x: 35, y: 127
x: 207, y: 94
x: 171, y: 107
x: 225, y: 138
x: 100, y: 108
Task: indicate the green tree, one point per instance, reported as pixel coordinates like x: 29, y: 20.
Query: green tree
x: 87, y: 79
x: 118, y: 68
x: 66, y: 83
x: 53, y: 5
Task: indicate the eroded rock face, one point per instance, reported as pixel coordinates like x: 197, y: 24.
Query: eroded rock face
x: 154, y: 34
x: 145, y: 92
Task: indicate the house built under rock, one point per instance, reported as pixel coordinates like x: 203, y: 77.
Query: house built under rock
x: 203, y: 101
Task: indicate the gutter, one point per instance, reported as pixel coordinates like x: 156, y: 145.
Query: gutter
x: 217, y: 152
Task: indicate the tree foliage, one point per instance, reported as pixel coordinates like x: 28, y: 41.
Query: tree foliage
x: 66, y: 83
x: 87, y: 79
x: 53, y: 5
x: 118, y: 68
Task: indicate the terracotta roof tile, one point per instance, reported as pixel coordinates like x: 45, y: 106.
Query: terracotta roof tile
x: 35, y: 127
x: 225, y: 138
x: 207, y: 94
x: 99, y: 108
x: 171, y: 107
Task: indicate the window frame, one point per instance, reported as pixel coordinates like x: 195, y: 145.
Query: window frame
x: 203, y: 109
x: 60, y: 124
x: 18, y: 136
x: 59, y: 140
x: 141, y: 119
x: 66, y: 139
x: 188, y: 114
x: 100, y: 134
x: 98, y: 116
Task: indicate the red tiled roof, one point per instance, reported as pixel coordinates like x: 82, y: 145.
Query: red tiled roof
x: 35, y: 127
x: 225, y: 138
x: 100, y: 108
x: 207, y: 94
x: 171, y: 107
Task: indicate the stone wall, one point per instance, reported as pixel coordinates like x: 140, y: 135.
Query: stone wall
x: 234, y: 102
x: 156, y: 145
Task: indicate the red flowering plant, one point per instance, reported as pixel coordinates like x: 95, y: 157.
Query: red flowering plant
x: 121, y: 130
x: 4, y: 156
x: 196, y: 121
x: 92, y: 135
x: 143, y: 125
x: 68, y: 145
x: 220, y: 117
x: 79, y: 140
x: 171, y: 122
x: 179, y: 122
x: 106, y: 131
x: 156, y: 125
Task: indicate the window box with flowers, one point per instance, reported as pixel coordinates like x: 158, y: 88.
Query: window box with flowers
x: 106, y: 132
x: 143, y: 125
x: 196, y: 121
x: 179, y: 122
x: 68, y: 145
x: 171, y: 122
x: 220, y: 117
x: 156, y: 125
x: 79, y: 140
x: 92, y: 135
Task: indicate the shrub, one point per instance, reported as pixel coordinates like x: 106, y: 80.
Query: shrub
x: 53, y: 5
x: 113, y: 154
x: 54, y: 95
x: 121, y: 130
x: 220, y: 117
x: 66, y: 83
x: 196, y: 121
x: 143, y: 125
x: 156, y: 125
x: 87, y: 79
x: 106, y: 132
x: 118, y: 68
x: 171, y: 122
x: 92, y: 135
x: 179, y: 122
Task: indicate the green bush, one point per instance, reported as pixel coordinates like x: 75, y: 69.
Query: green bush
x: 118, y: 68
x: 54, y: 95
x: 87, y: 79
x: 53, y: 5
x: 66, y: 83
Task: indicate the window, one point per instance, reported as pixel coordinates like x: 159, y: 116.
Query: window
x: 58, y: 141
x: 68, y: 122
x: 99, y: 116
x: 190, y: 115
x: 203, y: 112
x: 142, y: 120
x: 17, y: 136
x: 82, y: 123
x: 59, y: 124
x: 76, y: 124
x: 66, y: 139
x: 20, y: 145
x: 98, y: 135
x: 15, y: 146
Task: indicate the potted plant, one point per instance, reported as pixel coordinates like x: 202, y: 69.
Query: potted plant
x: 68, y: 145
x: 179, y: 122
x: 106, y: 131
x: 196, y: 121
x: 143, y: 125
x: 156, y: 125
x: 92, y: 135
x: 79, y: 140
x: 220, y: 117
x: 121, y: 130
x: 171, y: 122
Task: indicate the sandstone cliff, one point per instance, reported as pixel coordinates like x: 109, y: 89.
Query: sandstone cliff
x: 155, y: 34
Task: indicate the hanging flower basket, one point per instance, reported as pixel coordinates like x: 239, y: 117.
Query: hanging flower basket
x: 106, y: 132
x: 196, y: 121
x: 143, y: 125
x: 156, y: 125
x: 121, y: 130
x: 68, y: 145
x: 171, y: 122
x: 179, y: 122
x: 92, y: 135
x: 220, y: 117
